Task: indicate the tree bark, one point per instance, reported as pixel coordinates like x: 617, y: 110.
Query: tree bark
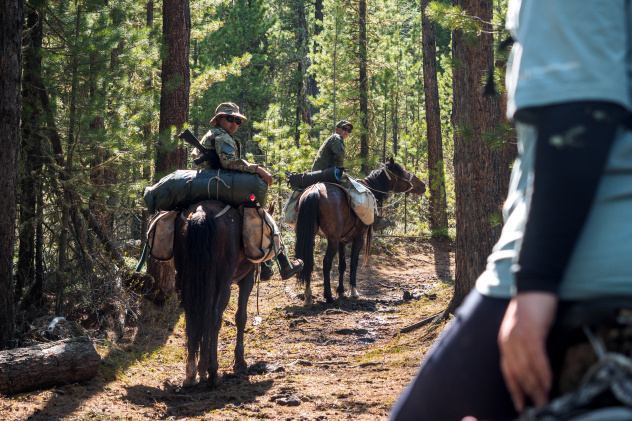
x: 302, y: 114
x: 481, y: 173
x: 48, y: 364
x: 312, y: 86
x: 174, y: 108
x: 11, y: 20
x: 364, y: 89
x: 436, y: 174
x: 27, y: 278
x: 176, y: 82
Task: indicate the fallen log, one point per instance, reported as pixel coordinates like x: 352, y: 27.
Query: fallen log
x: 419, y: 324
x: 48, y: 364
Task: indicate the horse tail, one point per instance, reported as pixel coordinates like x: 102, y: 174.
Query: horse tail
x: 367, y: 245
x: 199, y: 278
x: 305, y: 232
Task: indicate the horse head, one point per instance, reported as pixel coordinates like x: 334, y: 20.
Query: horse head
x: 401, y: 180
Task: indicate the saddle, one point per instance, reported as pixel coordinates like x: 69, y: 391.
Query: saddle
x: 359, y: 197
x: 259, y: 233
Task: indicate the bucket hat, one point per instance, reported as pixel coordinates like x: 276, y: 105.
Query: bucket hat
x: 227, y: 108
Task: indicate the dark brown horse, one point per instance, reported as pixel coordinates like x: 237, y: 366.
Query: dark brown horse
x: 208, y: 260
x: 324, y: 209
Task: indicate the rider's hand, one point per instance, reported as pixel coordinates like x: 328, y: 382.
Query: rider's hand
x: 522, y: 341
x: 267, y: 177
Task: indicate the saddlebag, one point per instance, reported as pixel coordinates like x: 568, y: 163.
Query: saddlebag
x: 160, y: 235
x: 258, y: 232
x: 185, y: 187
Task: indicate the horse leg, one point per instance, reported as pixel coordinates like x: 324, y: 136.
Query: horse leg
x: 309, y: 298
x: 219, y: 305
x: 342, y: 266
x: 191, y: 371
x: 356, y: 246
x: 241, y: 317
x: 332, y: 249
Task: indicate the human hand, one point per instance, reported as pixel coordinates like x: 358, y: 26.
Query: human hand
x: 522, y: 341
x: 267, y: 177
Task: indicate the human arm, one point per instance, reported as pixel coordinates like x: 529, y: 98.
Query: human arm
x: 267, y: 177
x: 338, y: 151
x: 226, y: 149
x: 572, y: 147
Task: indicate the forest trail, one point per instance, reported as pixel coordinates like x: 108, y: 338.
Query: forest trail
x: 344, y: 361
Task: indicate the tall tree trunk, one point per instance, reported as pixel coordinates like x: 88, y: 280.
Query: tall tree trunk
x: 481, y: 173
x: 31, y: 159
x: 312, y: 86
x: 396, y: 114
x: 66, y: 204
x: 303, y: 64
x: 176, y: 82
x: 174, y: 108
x: 364, y: 89
x: 11, y: 20
x: 436, y: 174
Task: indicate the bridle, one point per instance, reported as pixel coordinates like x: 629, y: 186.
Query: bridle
x: 390, y: 174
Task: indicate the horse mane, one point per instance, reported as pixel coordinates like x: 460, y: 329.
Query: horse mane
x: 377, y: 180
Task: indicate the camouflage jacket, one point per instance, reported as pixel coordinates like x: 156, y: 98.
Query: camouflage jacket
x: 227, y: 149
x: 330, y: 154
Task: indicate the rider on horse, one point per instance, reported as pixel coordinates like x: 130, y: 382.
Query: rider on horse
x: 219, y: 138
x: 332, y: 154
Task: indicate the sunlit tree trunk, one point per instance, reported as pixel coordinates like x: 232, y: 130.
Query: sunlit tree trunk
x: 364, y: 89
x: 481, y: 173
x: 436, y: 174
x: 174, y: 108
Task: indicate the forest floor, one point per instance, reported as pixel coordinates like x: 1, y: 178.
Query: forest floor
x: 341, y: 361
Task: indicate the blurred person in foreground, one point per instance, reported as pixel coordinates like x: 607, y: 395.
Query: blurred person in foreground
x: 567, y: 235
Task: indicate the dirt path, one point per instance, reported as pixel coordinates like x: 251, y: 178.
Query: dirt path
x: 325, y: 362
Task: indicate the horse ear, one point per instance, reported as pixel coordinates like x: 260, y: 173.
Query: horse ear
x: 391, y: 161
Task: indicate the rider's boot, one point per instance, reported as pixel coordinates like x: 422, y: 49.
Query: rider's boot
x: 289, y: 269
x: 266, y: 271
x: 380, y: 223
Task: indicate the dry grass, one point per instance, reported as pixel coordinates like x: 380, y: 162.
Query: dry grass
x: 333, y: 362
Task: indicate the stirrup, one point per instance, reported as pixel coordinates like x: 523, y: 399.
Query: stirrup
x: 381, y: 223
x: 288, y: 271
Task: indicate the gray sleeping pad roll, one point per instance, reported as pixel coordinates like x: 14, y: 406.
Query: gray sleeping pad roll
x: 301, y: 181
x: 185, y: 187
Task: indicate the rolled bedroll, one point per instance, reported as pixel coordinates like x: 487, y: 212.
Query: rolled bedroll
x: 301, y: 181
x: 185, y: 187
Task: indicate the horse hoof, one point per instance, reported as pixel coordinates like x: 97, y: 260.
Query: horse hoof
x: 308, y: 302
x: 189, y: 383
x: 240, y: 367
x: 355, y: 293
x: 213, y: 382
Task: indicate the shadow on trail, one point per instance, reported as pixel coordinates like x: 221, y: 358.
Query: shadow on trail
x: 343, y: 305
x: 442, y: 262
x: 154, y: 327
x: 199, y: 401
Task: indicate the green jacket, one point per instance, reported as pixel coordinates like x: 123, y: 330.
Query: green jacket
x: 330, y: 154
x: 227, y: 149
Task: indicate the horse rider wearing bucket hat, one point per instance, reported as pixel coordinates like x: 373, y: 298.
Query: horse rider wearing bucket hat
x: 224, y: 124
x: 332, y: 154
